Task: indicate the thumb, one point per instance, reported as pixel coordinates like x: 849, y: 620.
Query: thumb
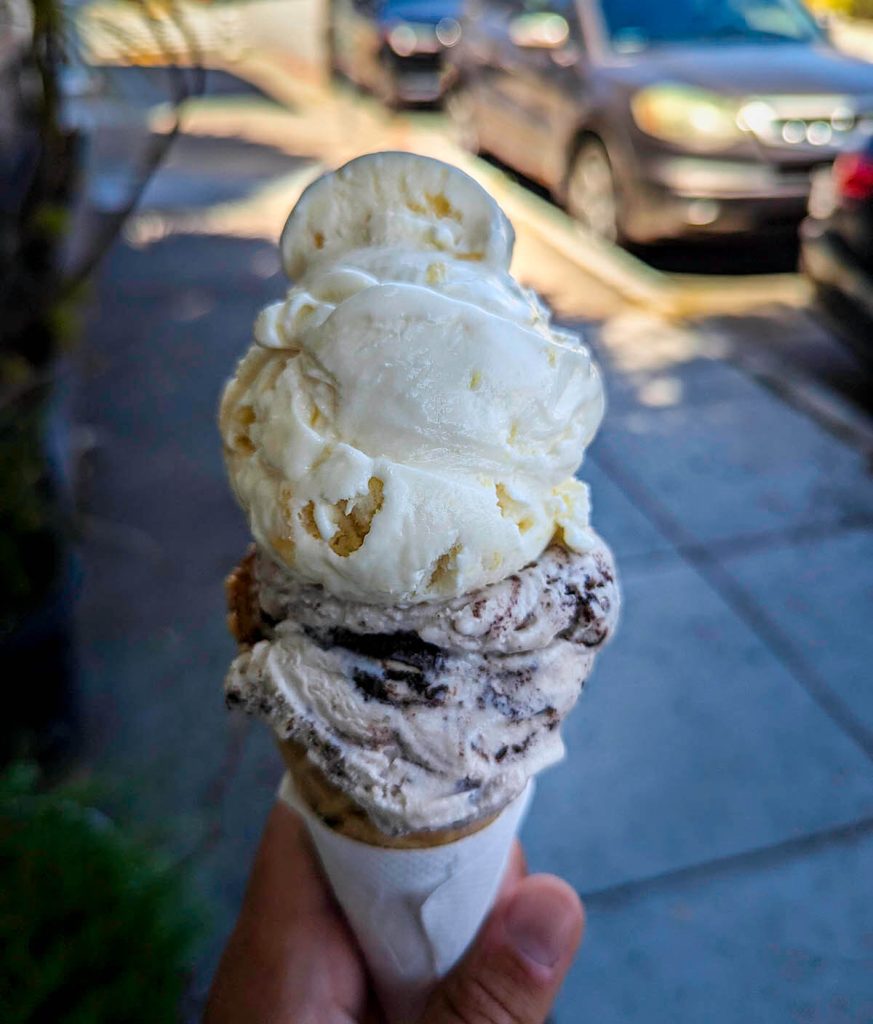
x: 517, y: 964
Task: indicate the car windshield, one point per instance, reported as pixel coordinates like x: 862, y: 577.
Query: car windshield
x: 634, y: 25
x: 426, y: 10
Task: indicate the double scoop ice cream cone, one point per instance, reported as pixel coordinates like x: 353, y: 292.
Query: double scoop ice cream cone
x: 425, y: 595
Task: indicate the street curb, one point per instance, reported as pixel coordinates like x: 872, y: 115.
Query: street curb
x: 613, y: 267
x: 681, y: 297
x: 675, y: 296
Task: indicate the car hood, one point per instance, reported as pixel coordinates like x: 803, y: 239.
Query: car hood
x: 748, y: 70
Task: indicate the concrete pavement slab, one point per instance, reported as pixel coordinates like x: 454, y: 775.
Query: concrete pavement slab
x: 162, y: 529
x: 202, y: 171
x: 784, y: 939
x: 151, y: 667
x: 690, y: 383
x: 650, y: 362
x: 819, y: 592
x: 233, y: 266
x: 734, y: 469
x: 692, y: 742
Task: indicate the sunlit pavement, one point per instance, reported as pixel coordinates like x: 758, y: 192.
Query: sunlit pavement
x: 716, y: 807
x: 761, y: 319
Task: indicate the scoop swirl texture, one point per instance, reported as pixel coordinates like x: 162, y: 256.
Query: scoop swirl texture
x: 406, y: 426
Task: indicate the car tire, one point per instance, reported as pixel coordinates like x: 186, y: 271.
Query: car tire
x: 459, y: 106
x: 592, y: 196
x: 845, y: 321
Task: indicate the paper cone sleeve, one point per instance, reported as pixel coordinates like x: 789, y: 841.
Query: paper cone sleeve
x: 414, y: 902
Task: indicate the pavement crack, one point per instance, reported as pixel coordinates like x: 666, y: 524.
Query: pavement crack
x: 758, y: 857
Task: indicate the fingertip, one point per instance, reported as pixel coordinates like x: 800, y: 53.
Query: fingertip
x: 519, y: 860
x: 518, y: 962
x: 543, y: 920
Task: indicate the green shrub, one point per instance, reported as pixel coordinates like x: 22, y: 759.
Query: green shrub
x: 94, y: 929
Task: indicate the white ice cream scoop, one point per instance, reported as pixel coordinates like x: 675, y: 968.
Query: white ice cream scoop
x: 407, y: 424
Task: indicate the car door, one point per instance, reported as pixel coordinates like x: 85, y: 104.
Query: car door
x: 502, y: 126
x: 535, y: 84
x: 554, y: 81
x: 340, y: 35
x: 356, y: 39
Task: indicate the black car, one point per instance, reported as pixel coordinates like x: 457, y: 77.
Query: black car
x: 837, y: 245
x: 655, y: 120
x: 18, y: 95
x: 394, y: 47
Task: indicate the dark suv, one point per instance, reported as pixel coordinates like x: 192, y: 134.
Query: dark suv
x: 394, y: 47
x: 654, y: 120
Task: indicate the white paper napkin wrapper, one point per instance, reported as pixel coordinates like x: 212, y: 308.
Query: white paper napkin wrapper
x: 414, y: 912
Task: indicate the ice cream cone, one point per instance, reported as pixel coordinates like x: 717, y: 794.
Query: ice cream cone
x: 243, y: 610
x: 426, y: 596
x: 342, y: 815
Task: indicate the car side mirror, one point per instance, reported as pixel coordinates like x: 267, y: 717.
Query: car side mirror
x: 544, y: 30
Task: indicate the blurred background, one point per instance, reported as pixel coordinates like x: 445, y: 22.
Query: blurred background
x: 692, y: 188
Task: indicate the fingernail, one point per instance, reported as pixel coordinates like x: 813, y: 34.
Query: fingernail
x: 540, y: 923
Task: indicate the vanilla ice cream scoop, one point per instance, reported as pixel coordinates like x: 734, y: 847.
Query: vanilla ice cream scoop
x: 395, y: 200
x: 407, y: 423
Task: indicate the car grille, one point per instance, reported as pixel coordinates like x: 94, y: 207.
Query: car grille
x: 803, y: 170
x: 419, y: 63
x: 809, y: 124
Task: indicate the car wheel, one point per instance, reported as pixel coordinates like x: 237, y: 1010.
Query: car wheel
x: 461, y: 111
x: 592, y: 196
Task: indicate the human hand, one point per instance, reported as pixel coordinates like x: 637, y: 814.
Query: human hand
x: 292, y: 959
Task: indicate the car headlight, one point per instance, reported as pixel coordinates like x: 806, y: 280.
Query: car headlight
x: 448, y: 31
x: 692, y: 118
x: 407, y: 38
x: 403, y: 40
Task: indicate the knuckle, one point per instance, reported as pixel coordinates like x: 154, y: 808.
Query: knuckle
x: 474, y: 999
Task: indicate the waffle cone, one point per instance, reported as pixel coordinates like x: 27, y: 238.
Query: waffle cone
x: 342, y: 815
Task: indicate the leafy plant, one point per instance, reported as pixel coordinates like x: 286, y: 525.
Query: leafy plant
x: 94, y: 928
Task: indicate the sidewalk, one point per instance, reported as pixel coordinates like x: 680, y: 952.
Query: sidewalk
x: 716, y: 806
